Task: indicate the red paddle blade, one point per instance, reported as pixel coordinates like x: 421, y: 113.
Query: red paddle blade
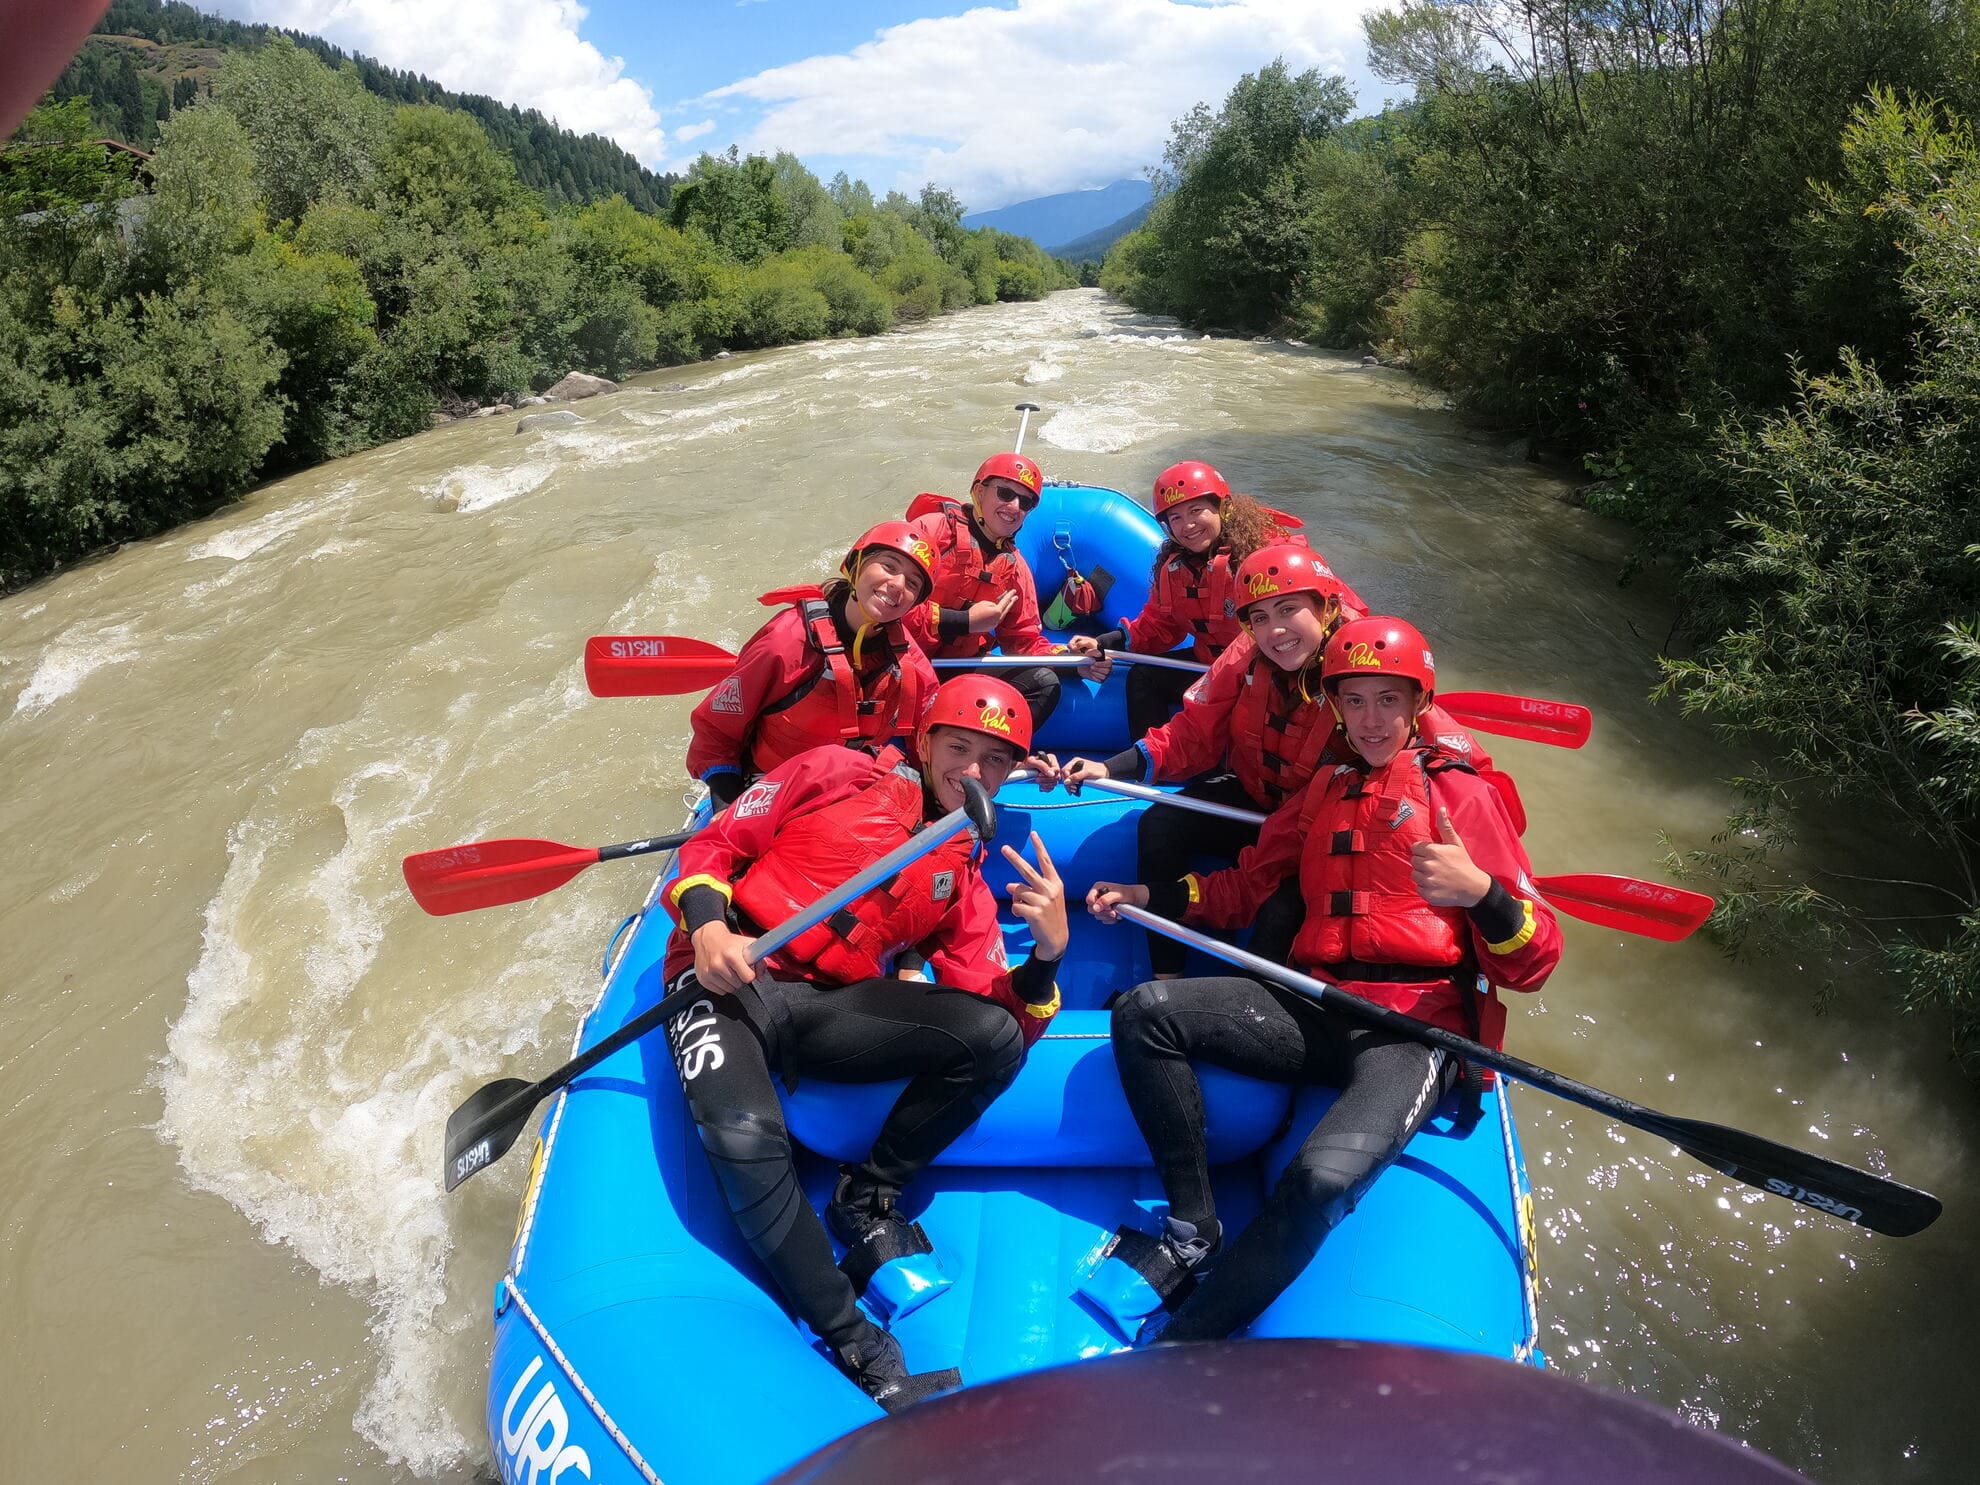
x: 460, y: 879
x: 1281, y: 518
x: 1561, y: 724
x: 928, y: 503
x: 1648, y: 908
x: 652, y: 665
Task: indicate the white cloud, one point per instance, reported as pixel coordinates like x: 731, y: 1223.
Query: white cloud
x: 693, y: 131
x: 1053, y: 95
x: 524, y: 52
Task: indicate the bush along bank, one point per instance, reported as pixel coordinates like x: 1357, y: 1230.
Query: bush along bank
x: 1724, y: 253
x: 302, y: 269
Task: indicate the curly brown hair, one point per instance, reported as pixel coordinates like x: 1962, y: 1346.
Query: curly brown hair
x: 1246, y: 527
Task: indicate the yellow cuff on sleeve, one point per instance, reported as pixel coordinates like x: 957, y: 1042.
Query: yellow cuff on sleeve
x: 1518, y: 940
x: 700, y: 879
x: 1050, y: 1008
x: 1195, y: 885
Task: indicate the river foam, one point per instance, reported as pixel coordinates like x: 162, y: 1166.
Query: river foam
x: 480, y: 486
x: 75, y: 656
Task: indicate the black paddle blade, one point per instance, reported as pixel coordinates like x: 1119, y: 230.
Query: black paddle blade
x: 481, y: 1130
x: 1857, y: 1196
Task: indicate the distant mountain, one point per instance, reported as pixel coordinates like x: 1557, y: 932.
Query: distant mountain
x: 1095, y: 244
x: 1051, y: 220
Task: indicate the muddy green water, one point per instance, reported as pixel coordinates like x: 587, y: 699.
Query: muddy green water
x: 229, y: 1041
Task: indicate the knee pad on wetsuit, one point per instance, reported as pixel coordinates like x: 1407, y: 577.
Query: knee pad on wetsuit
x: 1141, y: 1014
x: 751, y: 1156
x: 1324, y: 1184
x: 1001, y: 1053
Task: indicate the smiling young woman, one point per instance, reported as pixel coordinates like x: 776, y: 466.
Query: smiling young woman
x: 836, y: 666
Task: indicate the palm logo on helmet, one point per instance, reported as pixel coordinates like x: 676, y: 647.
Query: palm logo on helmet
x: 981, y: 703
x: 1275, y: 570
x: 1013, y: 467
x: 1379, y: 646
x: 1189, y: 480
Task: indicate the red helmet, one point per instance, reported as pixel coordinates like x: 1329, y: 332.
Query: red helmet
x: 1378, y: 646
x: 1188, y: 480
x: 894, y: 536
x: 1014, y: 467
x: 982, y: 703
x: 1285, y: 568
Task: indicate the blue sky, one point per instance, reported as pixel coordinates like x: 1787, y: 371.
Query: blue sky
x: 998, y: 102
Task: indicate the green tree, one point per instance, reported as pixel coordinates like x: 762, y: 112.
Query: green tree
x: 1852, y: 585
x: 1234, y: 245
x: 814, y: 216
x: 315, y: 132
x: 59, y: 191
x: 735, y: 203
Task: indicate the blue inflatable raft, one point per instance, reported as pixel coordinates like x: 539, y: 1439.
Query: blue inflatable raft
x: 636, y: 1339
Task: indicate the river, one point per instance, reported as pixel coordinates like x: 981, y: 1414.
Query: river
x: 229, y: 1040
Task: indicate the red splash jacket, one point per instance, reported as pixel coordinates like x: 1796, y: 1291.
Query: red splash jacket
x: 788, y: 693
x: 1349, y: 836
x: 811, y: 823
x: 964, y: 574
x: 1196, y: 598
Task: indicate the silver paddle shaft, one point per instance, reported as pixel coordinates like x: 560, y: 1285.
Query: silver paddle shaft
x: 912, y: 849
x: 1019, y: 662
x: 1156, y: 796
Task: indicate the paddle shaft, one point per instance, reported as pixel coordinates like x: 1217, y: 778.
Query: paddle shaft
x: 1723, y: 1149
x: 478, y: 1144
x: 1024, y: 411
x: 1018, y: 662
x: 645, y: 847
x: 1158, y: 796
x: 1612, y: 898
x: 917, y: 845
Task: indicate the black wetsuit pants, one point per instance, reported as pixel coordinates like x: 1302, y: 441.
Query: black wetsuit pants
x: 1168, y: 839
x: 1154, y: 694
x: 958, y: 1050
x: 1390, y: 1087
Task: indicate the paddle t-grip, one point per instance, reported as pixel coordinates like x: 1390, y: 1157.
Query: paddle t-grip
x: 982, y: 813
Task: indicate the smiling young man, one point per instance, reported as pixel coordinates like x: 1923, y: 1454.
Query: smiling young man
x: 984, y: 596
x: 1417, y: 896
x: 837, y: 666
x: 827, y: 1004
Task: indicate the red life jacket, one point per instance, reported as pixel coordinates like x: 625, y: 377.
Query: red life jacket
x: 836, y: 705
x: 817, y: 851
x: 1276, y: 738
x: 962, y: 578
x: 1367, y: 927
x: 1202, y: 594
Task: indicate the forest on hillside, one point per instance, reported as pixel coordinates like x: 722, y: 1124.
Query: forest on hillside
x: 1726, y: 255
x: 303, y: 269
x: 150, y: 57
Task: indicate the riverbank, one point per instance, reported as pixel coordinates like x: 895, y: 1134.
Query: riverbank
x: 303, y: 282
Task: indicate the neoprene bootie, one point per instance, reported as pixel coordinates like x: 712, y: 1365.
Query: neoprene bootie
x: 889, y: 1261
x: 873, y: 1360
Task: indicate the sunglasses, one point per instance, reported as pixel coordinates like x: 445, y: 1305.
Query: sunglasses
x: 1025, y: 499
